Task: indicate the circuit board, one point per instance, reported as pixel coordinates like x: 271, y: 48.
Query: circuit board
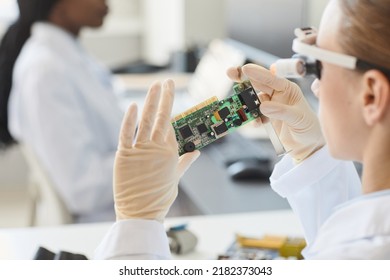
x: 212, y: 119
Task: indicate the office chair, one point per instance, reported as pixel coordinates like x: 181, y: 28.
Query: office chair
x: 49, y: 208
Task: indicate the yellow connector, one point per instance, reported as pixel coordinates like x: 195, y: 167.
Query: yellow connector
x: 195, y: 108
x: 286, y: 246
x: 293, y: 248
x: 266, y: 242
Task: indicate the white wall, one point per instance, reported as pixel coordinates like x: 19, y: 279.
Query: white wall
x: 163, y: 29
x: 315, y: 10
x: 13, y: 169
x: 8, y: 13
x: 117, y: 42
x: 174, y: 25
x: 204, y: 21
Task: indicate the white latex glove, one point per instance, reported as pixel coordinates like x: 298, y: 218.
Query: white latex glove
x: 283, y: 102
x: 147, y: 167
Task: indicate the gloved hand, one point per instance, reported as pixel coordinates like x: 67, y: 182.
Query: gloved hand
x: 147, y: 167
x: 283, y: 102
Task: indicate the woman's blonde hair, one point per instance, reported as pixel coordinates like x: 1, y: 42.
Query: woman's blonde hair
x: 365, y: 30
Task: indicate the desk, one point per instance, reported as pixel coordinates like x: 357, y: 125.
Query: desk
x: 215, y: 234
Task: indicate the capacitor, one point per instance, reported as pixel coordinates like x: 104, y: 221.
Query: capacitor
x: 189, y: 147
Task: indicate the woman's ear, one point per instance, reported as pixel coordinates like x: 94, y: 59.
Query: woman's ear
x: 376, y: 96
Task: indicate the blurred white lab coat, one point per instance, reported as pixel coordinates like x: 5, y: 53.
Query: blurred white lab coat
x: 338, y: 222
x: 62, y: 104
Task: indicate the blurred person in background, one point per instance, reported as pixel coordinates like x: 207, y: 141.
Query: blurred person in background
x: 59, y: 101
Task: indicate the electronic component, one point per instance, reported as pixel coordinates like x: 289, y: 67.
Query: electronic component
x: 249, y: 99
x: 220, y: 129
x: 223, y: 113
x: 242, y: 115
x: 181, y: 240
x: 268, y: 247
x: 185, y: 131
x: 189, y: 147
x: 237, y: 122
x: 202, y: 128
x: 213, y: 119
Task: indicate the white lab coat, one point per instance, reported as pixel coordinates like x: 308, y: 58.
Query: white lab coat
x: 338, y: 222
x: 62, y: 104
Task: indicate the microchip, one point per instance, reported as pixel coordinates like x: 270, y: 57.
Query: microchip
x: 222, y: 128
x: 224, y: 112
x: 202, y: 128
x: 185, y: 131
x: 249, y: 98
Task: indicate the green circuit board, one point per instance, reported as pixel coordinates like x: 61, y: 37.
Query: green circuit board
x: 212, y: 119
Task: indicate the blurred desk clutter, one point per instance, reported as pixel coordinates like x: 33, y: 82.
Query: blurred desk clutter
x: 214, y: 234
x: 267, y: 247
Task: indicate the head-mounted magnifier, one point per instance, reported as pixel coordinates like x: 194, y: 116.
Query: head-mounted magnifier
x: 308, y: 58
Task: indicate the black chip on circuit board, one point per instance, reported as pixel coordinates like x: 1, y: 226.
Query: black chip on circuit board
x: 224, y: 112
x: 202, y: 128
x: 185, y: 131
x: 249, y: 98
x: 222, y: 128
